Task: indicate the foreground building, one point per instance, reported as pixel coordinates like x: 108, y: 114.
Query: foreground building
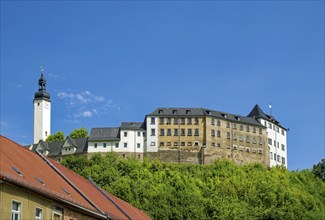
x: 33, y: 186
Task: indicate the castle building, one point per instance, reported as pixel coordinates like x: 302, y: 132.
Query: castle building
x: 42, y: 111
x: 201, y: 135
x: 276, y: 134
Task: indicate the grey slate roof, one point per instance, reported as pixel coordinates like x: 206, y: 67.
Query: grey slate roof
x: 105, y: 134
x: 188, y: 112
x: 257, y: 112
x: 54, y: 148
x: 133, y: 126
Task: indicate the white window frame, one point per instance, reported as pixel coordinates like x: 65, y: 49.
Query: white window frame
x: 16, y: 211
x: 38, y: 217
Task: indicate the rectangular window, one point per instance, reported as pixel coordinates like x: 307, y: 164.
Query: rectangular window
x: 235, y: 136
x: 104, y: 145
x: 274, y: 156
x: 116, y: 145
x: 169, y: 132
x: 254, y: 140
x: 153, y: 132
x: 218, y: 122
x: 260, y: 151
x: 125, y: 145
x: 270, y: 125
x: 153, y: 143
x: 182, y: 143
x: 228, y: 124
x: 125, y: 134
x: 182, y: 121
x: 274, y: 143
x: 175, y: 132
x: 196, y: 132
x: 189, y: 132
x: 169, y: 143
x: 271, y: 154
x: 138, y: 145
x: 247, y: 139
x: 241, y: 138
x: 269, y: 141
x: 162, y: 143
x: 212, y: 121
x: 278, y: 158
x: 283, y: 161
x: 189, y: 143
x: 153, y: 121
x: 278, y: 145
x: 175, y: 143
x: 213, y: 133
x: 247, y: 128
x: 277, y: 129
x: 16, y: 210
x: 282, y: 147
x: 260, y: 131
x: 162, y: 132
x: 254, y: 129
x: 139, y: 133
x: 38, y: 214
x: 260, y: 140
x: 282, y: 132
x: 95, y: 145
x: 235, y: 126
x: 189, y: 121
x: 161, y: 120
x: 218, y: 133
x: 241, y: 127
x: 228, y: 135
x: 182, y: 132
x: 175, y: 121
x: 196, y: 121
x: 169, y: 121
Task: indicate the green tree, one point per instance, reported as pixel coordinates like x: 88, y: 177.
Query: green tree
x: 319, y: 169
x: 58, y: 136
x: 79, y: 133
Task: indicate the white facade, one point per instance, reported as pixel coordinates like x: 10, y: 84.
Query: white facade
x: 132, y: 141
x: 102, y: 146
x: 42, y: 119
x: 277, y: 142
x: 152, y: 134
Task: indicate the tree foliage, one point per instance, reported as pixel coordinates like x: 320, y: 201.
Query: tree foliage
x: 79, y: 133
x: 58, y: 136
x: 222, y: 190
x: 319, y: 169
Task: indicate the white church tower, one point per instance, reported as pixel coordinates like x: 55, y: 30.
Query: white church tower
x: 42, y: 111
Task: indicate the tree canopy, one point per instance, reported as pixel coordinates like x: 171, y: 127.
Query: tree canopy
x: 58, y: 136
x: 222, y: 190
x: 79, y: 133
x: 319, y: 169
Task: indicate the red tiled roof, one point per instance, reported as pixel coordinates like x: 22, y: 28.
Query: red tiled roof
x: 87, y: 195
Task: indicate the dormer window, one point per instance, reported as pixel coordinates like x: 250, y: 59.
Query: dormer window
x: 174, y: 112
x: 188, y: 112
x: 160, y: 112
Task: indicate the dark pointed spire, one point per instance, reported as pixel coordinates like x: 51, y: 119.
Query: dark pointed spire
x: 42, y: 94
x: 257, y: 112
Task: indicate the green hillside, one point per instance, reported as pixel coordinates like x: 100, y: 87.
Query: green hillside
x: 222, y: 190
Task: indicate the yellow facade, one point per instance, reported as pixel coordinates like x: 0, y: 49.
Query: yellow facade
x: 213, y: 138
x: 30, y: 201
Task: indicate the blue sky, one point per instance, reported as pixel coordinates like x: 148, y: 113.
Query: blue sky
x: 108, y: 61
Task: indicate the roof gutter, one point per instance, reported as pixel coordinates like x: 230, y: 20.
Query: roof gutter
x: 71, y: 184
x: 110, y: 199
